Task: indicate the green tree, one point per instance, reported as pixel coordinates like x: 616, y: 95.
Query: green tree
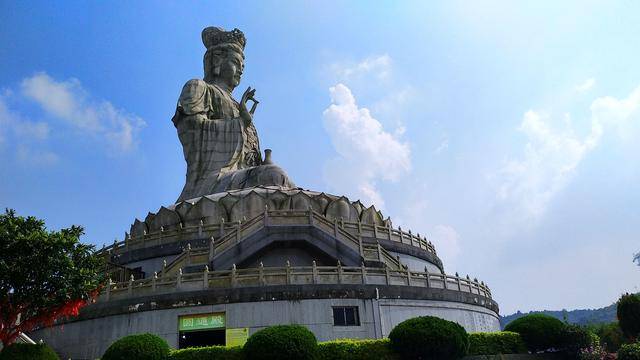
x: 628, y: 312
x: 44, y: 275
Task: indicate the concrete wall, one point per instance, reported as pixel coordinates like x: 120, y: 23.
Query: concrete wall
x: 88, y: 339
x: 416, y: 264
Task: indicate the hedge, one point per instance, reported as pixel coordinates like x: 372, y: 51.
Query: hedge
x: 19, y: 351
x: 539, y: 332
x: 282, y: 342
x: 629, y: 352
x: 494, y: 343
x: 429, y: 337
x: 356, y: 349
x: 139, y: 347
x: 208, y: 353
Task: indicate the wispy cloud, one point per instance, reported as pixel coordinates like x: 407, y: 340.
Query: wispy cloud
x: 70, y: 102
x: 586, y: 85
x: 367, y: 153
x: 378, y: 65
x: 552, y: 155
x: 27, y: 137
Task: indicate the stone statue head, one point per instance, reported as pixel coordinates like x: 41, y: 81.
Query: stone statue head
x: 224, y: 59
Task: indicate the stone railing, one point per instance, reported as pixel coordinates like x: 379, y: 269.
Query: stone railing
x: 288, y: 275
x: 273, y: 217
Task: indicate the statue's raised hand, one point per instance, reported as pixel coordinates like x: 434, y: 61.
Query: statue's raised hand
x: 246, y: 114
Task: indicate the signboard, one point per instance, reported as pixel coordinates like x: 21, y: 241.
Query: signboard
x: 201, y: 322
x: 237, y: 337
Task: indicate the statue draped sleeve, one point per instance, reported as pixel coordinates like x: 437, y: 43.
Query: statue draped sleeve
x: 211, y: 134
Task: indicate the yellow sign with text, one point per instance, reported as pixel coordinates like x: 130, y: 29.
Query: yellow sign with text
x: 237, y: 337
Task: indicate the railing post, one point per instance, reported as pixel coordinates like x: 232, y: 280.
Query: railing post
x: 341, y: 222
x: 164, y: 267
x: 411, y: 238
x: 153, y: 281
x: 221, y: 227
x: 161, y: 234
x: 386, y: 275
x: 288, y: 272
x: 389, y: 229
x: 379, y: 250
x: 261, y: 274
x: 130, y: 287
x: 363, y: 271
x: 205, y: 277
x: 401, y: 235
x: 266, y: 215
x: 375, y: 231
x: 108, y: 290
x: 335, y: 227
x: 458, y: 281
x: 339, y: 272
x: 188, y: 255
x: 234, y: 276
x: 314, y: 272
x: 179, y: 279
x: 115, y: 245
x: 408, y: 276
x: 212, y: 249
x: 427, y: 276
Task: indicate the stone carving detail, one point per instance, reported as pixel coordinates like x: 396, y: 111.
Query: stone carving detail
x: 220, y: 142
x: 246, y: 204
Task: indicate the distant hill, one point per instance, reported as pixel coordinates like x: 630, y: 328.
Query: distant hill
x: 579, y: 317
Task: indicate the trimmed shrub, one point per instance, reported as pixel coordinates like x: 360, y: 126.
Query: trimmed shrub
x: 282, y: 342
x: 354, y: 349
x: 17, y: 351
x: 538, y: 331
x: 575, y: 338
x: 139, y: 347
x: 628, y: 312
x: 494, y: 343
x: 429, y: 337
x: 629, y: 352
x: 208, y: 353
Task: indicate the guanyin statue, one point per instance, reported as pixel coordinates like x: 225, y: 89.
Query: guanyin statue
x: 219, y: 139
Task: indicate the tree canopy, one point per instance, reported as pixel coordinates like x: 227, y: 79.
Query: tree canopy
x: 44, y: 275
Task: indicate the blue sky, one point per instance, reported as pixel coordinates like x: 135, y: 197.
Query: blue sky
x: 504, y: 131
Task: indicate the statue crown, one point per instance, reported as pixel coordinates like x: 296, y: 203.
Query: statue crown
x: 212, y: 36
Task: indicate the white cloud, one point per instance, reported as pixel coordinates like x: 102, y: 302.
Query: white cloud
x: 24, y: 134
x: 29, y: 156
x: 378, y: 64
x: 444, y: 145
x: 367, y: 153
x: 68, y: 101
x: 550, y: 160
x: 551, y: 156
x: 586, y: 85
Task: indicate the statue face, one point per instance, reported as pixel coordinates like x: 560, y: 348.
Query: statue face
x: 231, y: 69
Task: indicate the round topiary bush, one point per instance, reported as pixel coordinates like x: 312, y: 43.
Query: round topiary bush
x: 139, y: 347
x: 629, y: 352
x: 428, y: 337
x: 282, y: 342
x: 628, y: 311
x: 539, y: 332
x: 28, y: 352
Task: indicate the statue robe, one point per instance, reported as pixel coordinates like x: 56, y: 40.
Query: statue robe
x: 214, y: 138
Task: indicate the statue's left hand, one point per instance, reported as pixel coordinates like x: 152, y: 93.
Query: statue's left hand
x: 244, y: 112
